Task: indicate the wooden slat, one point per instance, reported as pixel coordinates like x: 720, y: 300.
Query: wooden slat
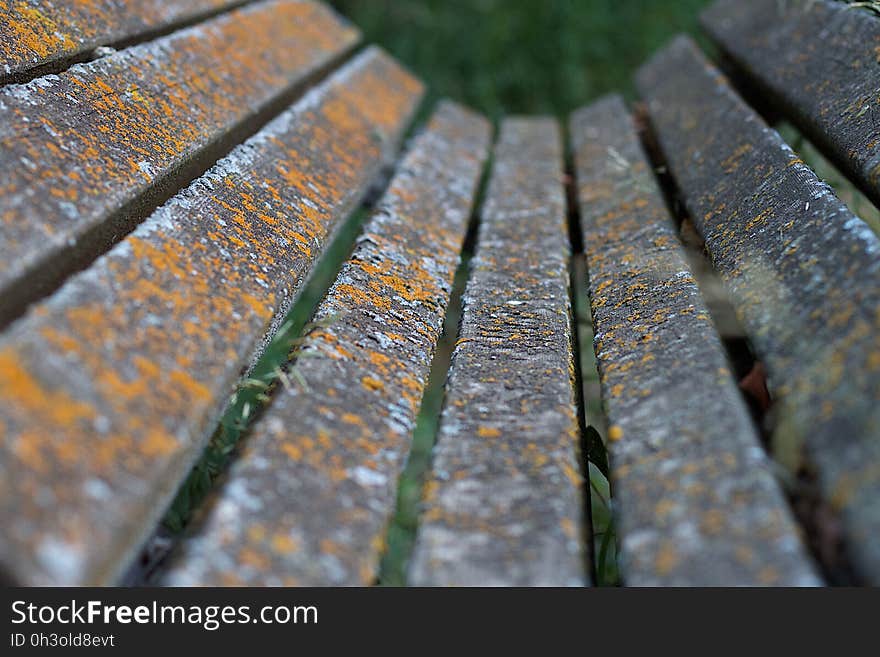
x: 803, y: 273
x: 84, y: 155
x: 504, y: 505
x: 110, y: 387
x: 821, y: 60
x: 36, y: 33
x: 309, y: 501
x: 695, y: 499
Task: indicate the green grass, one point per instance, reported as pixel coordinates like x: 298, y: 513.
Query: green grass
x: 503, y: 57
x: 401, y: 536
x: 604, y: 537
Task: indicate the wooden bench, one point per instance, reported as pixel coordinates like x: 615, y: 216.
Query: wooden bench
x: 44, y: 37
x: 162, y: 207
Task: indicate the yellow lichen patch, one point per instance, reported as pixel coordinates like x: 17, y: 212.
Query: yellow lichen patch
x: 26, y: 394
x: 372, y: 384
x: 488, y: 432
x: 136, y: 358
x: 253, y: 558
x: 256, y: 532
x: 284, y: 544
x: 615, y: 433
x: 292, y: 450
x: 379, y: 359
x: 574, y: 477
x: 33, y: 33
x: 362, y: 298
x: 759, y: 219
x: 732, y: 163
x: 158, y: 443
x: 353, y: 418
x: 666, y: 560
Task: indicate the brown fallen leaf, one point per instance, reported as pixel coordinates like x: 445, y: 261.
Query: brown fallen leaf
x: 754, y: 384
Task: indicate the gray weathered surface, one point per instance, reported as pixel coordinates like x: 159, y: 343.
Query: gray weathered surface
x: 34, y: 33
x: 695, y: 500
x: 803, y: 273
x: 821, y: 61
x: 110, y: 387
x: 504, y: 505
x: 85, y: 153
x: 309, y: 500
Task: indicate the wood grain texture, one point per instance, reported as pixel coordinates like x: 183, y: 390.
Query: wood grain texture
x: 85, y: 154
x: 36, y: 33
x: 695, y: 498
x: 309, y: 501
x: 110, y: 388
x: 803, y: 273
x: 504, y: 502
x: 820, y: 60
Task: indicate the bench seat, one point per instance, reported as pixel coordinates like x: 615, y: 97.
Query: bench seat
x: 819, y: 65
x: 802, y: 272
x: 166, y: 208
x: 112, y: 386
x: 89, y: 153
x: 502, y: 506
x: 696, y: 494
x: 309, y: 500
x: 41, y: 35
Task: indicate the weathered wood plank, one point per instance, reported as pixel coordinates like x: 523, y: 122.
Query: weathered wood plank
x: 309, y: 501
x: 803, y: 273
x: 504, y: 504
x: 695, y: 499
x: 109, y: 388
x: 84, y: 155
x: 821, y: 61
x: 34, y: 33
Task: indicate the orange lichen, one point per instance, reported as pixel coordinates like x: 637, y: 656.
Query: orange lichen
x: 284, y: 544
x: 31, y: 398
x: 372, y: 384
x: 31, y: 32
x: 156, y: 119
x: 292, y: 450
x: 666, y: 559
x: 170, y: 316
